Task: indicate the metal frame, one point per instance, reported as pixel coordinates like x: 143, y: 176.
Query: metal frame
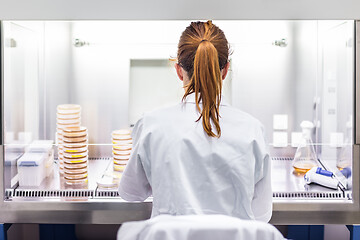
x: 357, y: 82
x: 115, y: 211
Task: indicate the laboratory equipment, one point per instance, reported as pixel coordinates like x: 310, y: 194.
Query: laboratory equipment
x: 305, y: 155
x: 321, y: 177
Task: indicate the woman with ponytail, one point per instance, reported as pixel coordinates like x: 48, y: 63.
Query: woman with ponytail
x: 200, y: 156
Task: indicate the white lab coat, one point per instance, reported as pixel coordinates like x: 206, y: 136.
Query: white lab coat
x: 188, y: 172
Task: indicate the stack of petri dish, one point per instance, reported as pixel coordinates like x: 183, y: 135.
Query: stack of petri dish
x: 68, y: 115
x: 75, y: 155
x: 122, y: 145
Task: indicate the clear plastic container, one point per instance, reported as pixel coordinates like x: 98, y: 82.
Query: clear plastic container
x: 305, y: 156
x: 31, y: 168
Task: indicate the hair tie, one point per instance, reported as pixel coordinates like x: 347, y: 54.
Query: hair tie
x: 203, y: 40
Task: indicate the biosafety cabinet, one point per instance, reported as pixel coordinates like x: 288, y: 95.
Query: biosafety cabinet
x: 285, y: 73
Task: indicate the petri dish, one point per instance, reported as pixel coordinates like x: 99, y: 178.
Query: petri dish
x: 75, y: 145
x: 75, y: 129
x: 75, y: 176
x: 108, y: 182
x: 122, y: 153
x: 123, y: 134
x: 121, y: 142
x: 75, y: 165
x: 119, y: 168
x: 68, y: 121
x: 74, y: 142
x: 68, y: 108
x: 75, y: 160
x: 75, y: 170
x: 120, y: 162
x: 75, y: 154
x: 74, y: 149
x: 122, y: 147
x: 62, y: 126
x: 68, y: 116
x: 75, y: 134
x: 120, y: 132
x: 76, y: 181
x: 74, y: 139
x: 121, y: 157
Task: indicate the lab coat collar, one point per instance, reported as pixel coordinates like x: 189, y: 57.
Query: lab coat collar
x: 191, y: 99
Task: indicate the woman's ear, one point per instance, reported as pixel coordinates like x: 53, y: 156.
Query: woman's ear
x: 179, y: 71
x: 225, y: 70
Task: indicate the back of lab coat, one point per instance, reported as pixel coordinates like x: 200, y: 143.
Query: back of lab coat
x: 188, y: 172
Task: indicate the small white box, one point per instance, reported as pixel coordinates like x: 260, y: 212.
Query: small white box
x: 41, y: 146
x: 280, y: 139
x: 25, y: 137
x: 31, y: 168
x: 280, y: 122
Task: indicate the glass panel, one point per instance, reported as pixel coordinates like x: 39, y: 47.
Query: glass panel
x: 21, y: 94
x: 282, y: 72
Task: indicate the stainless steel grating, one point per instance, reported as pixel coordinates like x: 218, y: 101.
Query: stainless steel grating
x: 9, y: 193
x: 99, y: 158
x: 282, y: 158
x: 28, y: 193
x: 308, y: 195
x: 107, y: 194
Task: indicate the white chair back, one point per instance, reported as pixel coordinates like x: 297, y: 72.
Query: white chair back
x: 197, y: 227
